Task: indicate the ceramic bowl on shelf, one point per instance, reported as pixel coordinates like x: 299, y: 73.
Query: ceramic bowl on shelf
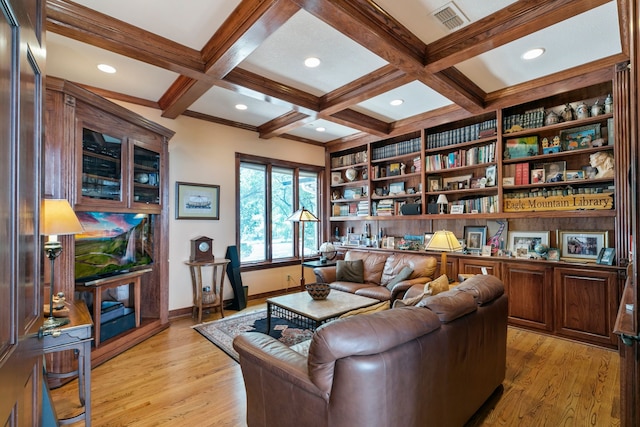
x: 351, y: 174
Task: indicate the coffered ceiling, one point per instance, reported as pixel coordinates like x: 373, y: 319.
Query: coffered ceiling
x: 202, y: 58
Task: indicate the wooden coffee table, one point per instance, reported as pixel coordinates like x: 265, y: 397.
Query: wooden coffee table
x: 308, y: 313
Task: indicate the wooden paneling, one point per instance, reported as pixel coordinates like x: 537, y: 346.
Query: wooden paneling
x: 586, y: 304
x: 530, y: 291
x: 474, y: 266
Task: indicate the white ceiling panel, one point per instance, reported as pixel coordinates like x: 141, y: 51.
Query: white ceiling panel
x: 190, y: 23
x: 77, y: 62
x: 579, y: 40
x: 332, y: 131
x: 417, y: 98
x: 281, y: 57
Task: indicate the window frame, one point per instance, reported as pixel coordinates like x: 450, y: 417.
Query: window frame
x: 271, y: 163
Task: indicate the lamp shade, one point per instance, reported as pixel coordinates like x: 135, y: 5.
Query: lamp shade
x: 443, y: 241
x: 442, y: 200
x: 303, y: 215
x: 59, y: 218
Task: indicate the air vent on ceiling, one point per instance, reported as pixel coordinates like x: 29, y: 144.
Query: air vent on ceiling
x: 451, y: 16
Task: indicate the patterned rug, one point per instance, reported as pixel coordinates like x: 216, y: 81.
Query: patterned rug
x: 222, y: 332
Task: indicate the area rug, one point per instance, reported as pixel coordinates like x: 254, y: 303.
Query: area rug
x: 222, y: 332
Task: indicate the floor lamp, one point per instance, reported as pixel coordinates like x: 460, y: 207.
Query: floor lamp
x: 58, y: 218
x: 443, y: 241
x: 302, y: 216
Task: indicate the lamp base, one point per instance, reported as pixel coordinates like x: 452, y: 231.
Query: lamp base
x: 55, y: 322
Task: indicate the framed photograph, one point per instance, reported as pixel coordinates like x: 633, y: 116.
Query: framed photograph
x: 554, y: 172
x: 517, y: 148
x: 353, y: 239
x: 582, y: 245
x: 537, y: 176
x: 475, y: 237
x: 579, y: 138
x: 336, y: 178
x: 396, y: 188
x: 486, y: 250
x: 427, y: 238
x: 352, y: 193
x: 606, y: 256
x: 453, y: 182
x: 508, y: 180
x: 434, y: 184
x: 522, y: 243
x: 457, y: 209
x: 394, y: 169
x: 553, y: 254
x: 197, y: 201
x: 491, y: 176
x: 389, y: 243
x: 574, y: 175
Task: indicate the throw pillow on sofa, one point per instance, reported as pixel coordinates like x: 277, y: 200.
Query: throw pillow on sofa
x: 350, y: 271
x: 434, y: 287
x: 402, y: 275
x: 382, y: 306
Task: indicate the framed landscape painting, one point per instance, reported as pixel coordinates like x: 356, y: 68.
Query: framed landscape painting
x: 517, y: 148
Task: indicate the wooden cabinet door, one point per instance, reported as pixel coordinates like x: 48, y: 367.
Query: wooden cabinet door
x: 586, y: 305
x: 21, y: 104
x: 475, y: 265
x: 530, y: 291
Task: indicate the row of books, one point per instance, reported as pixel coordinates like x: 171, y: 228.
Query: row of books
x: 528, y: 120
x: 397, y: 149
x: 463, y: 134
x: 485, y: 204
x: 518, y: 171
x: 459, y: 158
x: 349, y: 159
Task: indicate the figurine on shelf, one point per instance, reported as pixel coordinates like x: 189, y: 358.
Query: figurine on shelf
x: 402, y: 168
x: 608, y: 104
x: 596, y: 109
x: 582, y: 111
x: 551, y: 119
x: 568, y: 114
x: 603, y: 161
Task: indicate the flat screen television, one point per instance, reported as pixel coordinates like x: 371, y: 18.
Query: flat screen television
x: 112, y: 243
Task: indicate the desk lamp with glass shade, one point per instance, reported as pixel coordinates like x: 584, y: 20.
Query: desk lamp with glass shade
x: 443, y: 241
x: 302, y: 216
x: 57, y: 218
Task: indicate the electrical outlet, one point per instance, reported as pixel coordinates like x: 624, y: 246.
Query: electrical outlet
x: 288, y: 277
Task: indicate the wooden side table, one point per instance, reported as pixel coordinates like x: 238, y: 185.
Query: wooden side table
x: 214, y: 296
x: 75, y: 335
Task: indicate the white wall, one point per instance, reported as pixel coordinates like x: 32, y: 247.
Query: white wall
x: 204, y: 152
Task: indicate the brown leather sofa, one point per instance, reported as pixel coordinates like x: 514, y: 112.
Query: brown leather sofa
x: 379, y: 269
x: 434, y: 364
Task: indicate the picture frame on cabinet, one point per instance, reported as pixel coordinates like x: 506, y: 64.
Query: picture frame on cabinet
x: 553, y: 254
x: 537, y: 176
x: 606, y: 256
x: 554, y: 171
x: 486, y: 250
x: 575, y: 175
x: 197, y: 201
x: 396, y: 188
x: 581, y: 245
x: 579, y: 138
x: 475, y: 237
x: 434, y: 184
x: 522, y: 243
x: 427, y: 238
x: 457, y: 209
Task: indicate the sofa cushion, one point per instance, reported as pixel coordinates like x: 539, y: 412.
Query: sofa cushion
x: 404, y: 274
x: 434, y: 287
x: 373, y: 264
x: 450, y: 305
x: 484, y: 288
x: 382, y: 306
x: 408, y: 301
x: 350, y: 271
x: 423, y: 266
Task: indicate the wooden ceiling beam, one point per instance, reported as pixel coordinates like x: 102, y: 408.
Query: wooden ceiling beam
x: 359, y: 121
x: 88, y: 26
x: 368, y: 25
x: 284, y: 124
x: 245, y: 30
x: 515, y: 21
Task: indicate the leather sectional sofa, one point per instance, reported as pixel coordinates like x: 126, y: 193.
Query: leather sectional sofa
x: 431, y: 364
x: 379, y: 270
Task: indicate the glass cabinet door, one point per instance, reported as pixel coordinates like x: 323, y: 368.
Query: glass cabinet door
x: 101, y: 166
x: 146, y: 176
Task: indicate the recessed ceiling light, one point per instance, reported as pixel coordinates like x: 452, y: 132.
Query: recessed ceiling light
x: 312, y: 62
x: 533, y: 53
x: 241, y: 107
x: 397, y: 102
x: 320, y: 129
x: 106, y: 68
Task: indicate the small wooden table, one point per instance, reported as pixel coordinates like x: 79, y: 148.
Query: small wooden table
x: 301, y: 309
x: 215, y: 293
x: 75, y: 335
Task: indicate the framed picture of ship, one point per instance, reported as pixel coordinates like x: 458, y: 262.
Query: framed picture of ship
x: 197, y: 201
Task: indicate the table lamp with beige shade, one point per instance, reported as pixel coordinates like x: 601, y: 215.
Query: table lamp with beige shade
x: 58, y: 218
x: 443, y: 241
x: 442, y: 203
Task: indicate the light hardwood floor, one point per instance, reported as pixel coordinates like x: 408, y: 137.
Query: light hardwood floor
x: 179, y: 378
